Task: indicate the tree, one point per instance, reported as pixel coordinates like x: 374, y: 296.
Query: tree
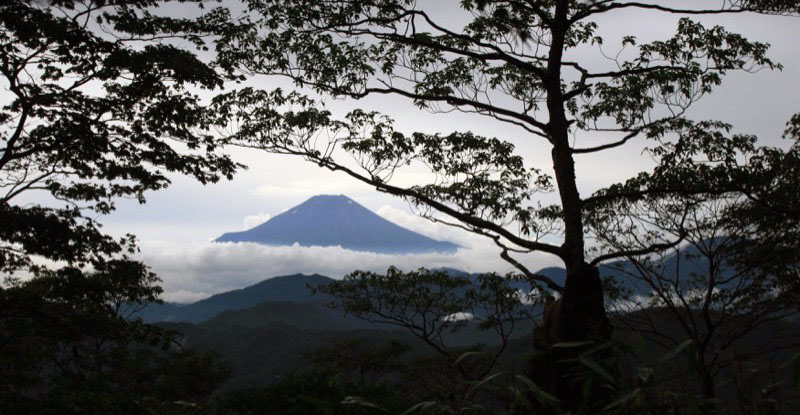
x: 99, y: 107
x: 731, y: 287
x: 100, y: 104
x: 434, y: 306
x: 769, y: 215
x: 69, y: 346
x: 510, y: 61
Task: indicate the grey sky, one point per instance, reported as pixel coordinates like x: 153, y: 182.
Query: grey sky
x: 176, y: 224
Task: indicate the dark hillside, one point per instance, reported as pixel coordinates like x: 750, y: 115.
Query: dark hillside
x: 292, y: 288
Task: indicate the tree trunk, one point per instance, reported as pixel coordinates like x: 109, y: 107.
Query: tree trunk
x: 709, y: 403
x: 583, y: 315
x: 579, y: 315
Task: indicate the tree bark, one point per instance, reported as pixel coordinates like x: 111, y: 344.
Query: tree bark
x: 709, y: 393
x: 583, y: 315
x: 579, y: 315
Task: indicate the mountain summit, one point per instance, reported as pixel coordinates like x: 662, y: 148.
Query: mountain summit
x: 330, y: 220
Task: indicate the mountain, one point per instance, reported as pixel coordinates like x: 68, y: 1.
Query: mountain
x: 303, y: 316
x: 328, y: 220
x: 292, y: 288
x: 283, y: 289
x: 682, y: 266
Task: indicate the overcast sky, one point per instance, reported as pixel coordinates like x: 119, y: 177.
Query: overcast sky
x: 176, y: 224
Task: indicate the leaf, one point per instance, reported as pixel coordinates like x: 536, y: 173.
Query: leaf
x: 541, y: 395
x: 420, y: 407
x: 644, y: 373
x: 186, y: 404
x: 519, y: 398
x: 357, y: 400
x: 676, y: 351
x: 770, y: 389
x: 569, y: 345
x: 596, y: 368
x: 639, y: 345
x: 623, y: 399
x: 794, y: 361
x: 469, y: 354
x: 474, y: 388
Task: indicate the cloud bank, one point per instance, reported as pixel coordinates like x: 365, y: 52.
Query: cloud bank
x: 190, y: 272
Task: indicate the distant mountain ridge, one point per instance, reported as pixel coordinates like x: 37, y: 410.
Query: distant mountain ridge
x: 337, y: 220
x: 287, y: 288
x: 283, y: 289
x: 292, y: 288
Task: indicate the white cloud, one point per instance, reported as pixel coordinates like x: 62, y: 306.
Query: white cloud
x: 251, y: 221
x: 196, y: 270
x: 430, y: 229
x: 460, y: 316
x: 184, y: 296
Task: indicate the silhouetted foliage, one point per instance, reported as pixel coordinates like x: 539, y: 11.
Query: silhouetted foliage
x: 100, y: 107
x: 100, y: 104
x: 490, y: 67
x: 508, y: 60
x: 66, y: 347
x: 431, y: 304
x: 103, y: 105
x: 732, y: 274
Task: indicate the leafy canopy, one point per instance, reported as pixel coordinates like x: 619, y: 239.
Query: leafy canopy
x: 101, y: 104
x: 516, y: 62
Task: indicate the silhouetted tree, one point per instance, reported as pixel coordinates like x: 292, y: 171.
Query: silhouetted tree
x: 434, y: 305
x: 67, y: 346
x: 512, y: 61
x: 98, y: 107
x: 99, y: 103
x: 732, y: 286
